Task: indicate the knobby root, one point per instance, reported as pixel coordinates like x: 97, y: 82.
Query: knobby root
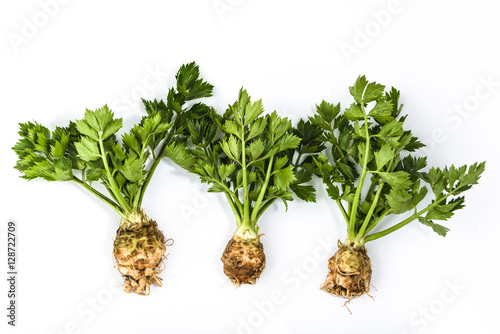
x: 349, y: 273
x: 244, y: 260
x: 139, y: 252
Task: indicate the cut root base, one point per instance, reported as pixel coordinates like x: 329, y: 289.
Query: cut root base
x: 244, y: 260
x: 139, y: 251
x: 349, y: 272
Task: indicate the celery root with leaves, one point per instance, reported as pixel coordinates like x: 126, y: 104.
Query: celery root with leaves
x: 250, y: 158
x: 88, y: 151
x: 371, y: 175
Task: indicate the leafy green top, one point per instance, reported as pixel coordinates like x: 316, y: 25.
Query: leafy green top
x: 251, y: 158
x: 368, y: 139
x: 89, y: 147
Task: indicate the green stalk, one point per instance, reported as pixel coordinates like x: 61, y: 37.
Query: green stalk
x: 361, y: 231
x: 256, y: 209
x: 357, y: 196
x: 341, y: 207
x: 297, y: 162
x: 111, y: 181
x: 234, y: 197
x: 138, y: 199
x: 235, y: 210
x: 157, y: 159
x: 344, y: 158
x: 370, y: 190
x: 349, y: 204
x: 246, y: 200
x: 375, y: 223
x: 267, y: 203
x: 404, y: 222
x: 101, y: 196
x: 106, y: 185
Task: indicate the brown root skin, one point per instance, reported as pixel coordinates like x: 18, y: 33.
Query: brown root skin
x: 139, y: 250
x: 350, y: 272
x: 244, y: 260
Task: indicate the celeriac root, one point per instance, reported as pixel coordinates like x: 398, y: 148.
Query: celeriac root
x: 139, y: 250
x: 349, y: 272
x: 244, y: 260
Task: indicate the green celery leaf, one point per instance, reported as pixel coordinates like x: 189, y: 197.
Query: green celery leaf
x: 94, y: 174
x: 87, y: 149
x: 382, y: 112
x: 103, y: 116
x: 304, y: 173
x: 332, y: 191
x: 288, y: 141
x: 232, y: 128
x: 373, y: 91
x: 133, y: 169
x: 391, y: 132
x: 284, y: 177
x: 209, y: 169
x: 90, y: 119
x: 399, y: 200
x: 438, y: 214
x: 131, y: 142
x: 118, y: 152
x: 305, y: 193
x: 252, y: 111
x: 358, y: 89
x: 59, y: 148
x: 354, y: 113
x: 311, y: 137
x: 200, y: 110
x: 437, y: 181
x: 383, y: 156
x: 216, y: 188
x: 328, y: 111
x: 226, y: 170
x: 255, y: 149
x: 278, y: 126
x: 257, y: 127
x: 177, y: 152
x: 280, y: 162
x: 439, y: 229
x: 251, y: 177
x: 232, y: 148
x: 189, y: 84
x: 62, y: 170
x: 112, y: 128
x: 347, y: 170
x: 361, y: 131
x: 418, y: 196
x: 473, y: 174
x: 85, y: 129
x: 399, y: 180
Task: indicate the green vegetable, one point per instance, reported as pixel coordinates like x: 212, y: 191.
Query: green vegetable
x: 251, y: 158
x: 88, y: 151
x: 370, y: 173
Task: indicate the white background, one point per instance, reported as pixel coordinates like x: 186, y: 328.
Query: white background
x: 293, y: 54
